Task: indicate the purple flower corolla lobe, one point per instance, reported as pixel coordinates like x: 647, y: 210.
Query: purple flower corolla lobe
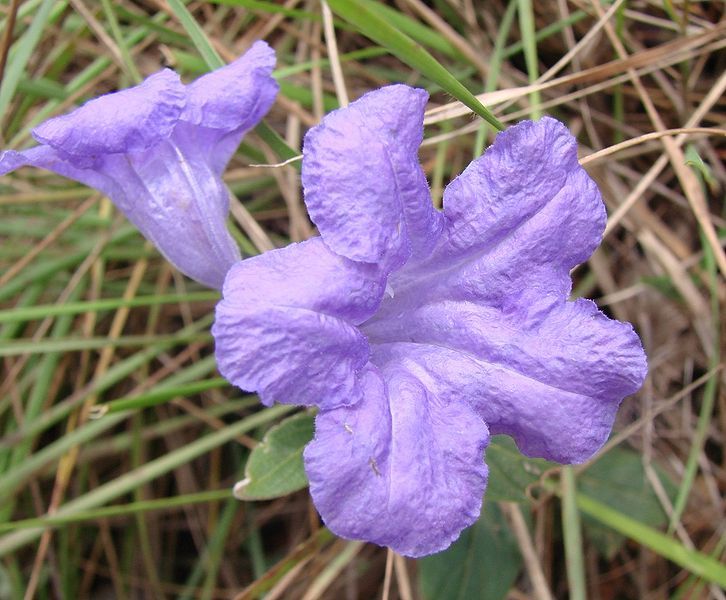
x: 364, y: 172
x: 432, y: 328
x: 158, y: 151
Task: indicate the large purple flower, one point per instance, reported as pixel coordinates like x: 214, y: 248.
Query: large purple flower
x: 158, y: 151
x: 417, y: 333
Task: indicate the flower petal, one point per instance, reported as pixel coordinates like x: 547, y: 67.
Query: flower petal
x: 286, y: 325
x: 235, y: 96
x: 127, y: 121
x: 222, y: 106
x: 364, y: 187
x: 555, y: 387
x: 510, y: 241
x: 487, y: 314
x: 402, y: 468
x: 179, y: 204
x: 45, y: 157
x: 530, y: 180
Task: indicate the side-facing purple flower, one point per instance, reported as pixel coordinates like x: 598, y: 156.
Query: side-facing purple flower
x: 418, y: 333
x: 158, y: 151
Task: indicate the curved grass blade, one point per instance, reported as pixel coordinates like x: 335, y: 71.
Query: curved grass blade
x: 373, y: 26
x: 696, y: 562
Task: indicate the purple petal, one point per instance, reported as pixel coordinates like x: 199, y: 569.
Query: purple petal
x: 235, y: 96
x: 286, y: 325
x: 171, y: 194
x: 364, y: 187
x: 555, y: 387
x: 222, y: 106
x: 158, y: 151
x: 127, y: 121
x: 403, y: 468
x: 486, y: 313
x: 530, y: 168
x: 45, y: 157
x: 511, y: 240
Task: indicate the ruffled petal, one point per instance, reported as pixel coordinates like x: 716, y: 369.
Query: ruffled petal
x: 222, y: 106
x: 487, y: 315
x: 529, y: 166
x: 510, y: 241
x: 555, y: 388
x: 127, y: 121
x: 403, y: 468
x: 286, y: 325
x: 364, y: 187
x: 235, y: 96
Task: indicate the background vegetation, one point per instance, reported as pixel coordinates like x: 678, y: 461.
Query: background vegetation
x: 119, y: 443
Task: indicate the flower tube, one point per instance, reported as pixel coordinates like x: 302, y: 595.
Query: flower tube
x: 158, y: 151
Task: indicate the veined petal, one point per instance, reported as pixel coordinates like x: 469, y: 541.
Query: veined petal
x: 286, y: 325
x: 178, y: 202
x: 402, y: 468
x: 554, y: 388
x: 127, y: 121
x: 364, y: 187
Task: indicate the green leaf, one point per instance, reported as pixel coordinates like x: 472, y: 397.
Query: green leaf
x: 483, y: 563
x: 372, y: 25
x: 510, y: 472
x: 275, y: 467
x: 618, y: 480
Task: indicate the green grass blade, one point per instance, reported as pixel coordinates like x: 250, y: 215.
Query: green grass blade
x: 199, y: 38
x: 709, y: 391
x: 373, y: 26
x: 118, y: 37
x: 22, y: 53
x: 148, y: 472
x: 158, y: 397
x: 28, y: 346
x: 692, y: 560
x: 414, y: 29
x: 528, y: 29
x: 30, y: 313
x: 572, y: 534
x: 270, y: 7
x: 495, y: 68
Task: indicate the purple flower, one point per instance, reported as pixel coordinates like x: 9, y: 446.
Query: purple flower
x: 417, y: 333
x: 158, y: 151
